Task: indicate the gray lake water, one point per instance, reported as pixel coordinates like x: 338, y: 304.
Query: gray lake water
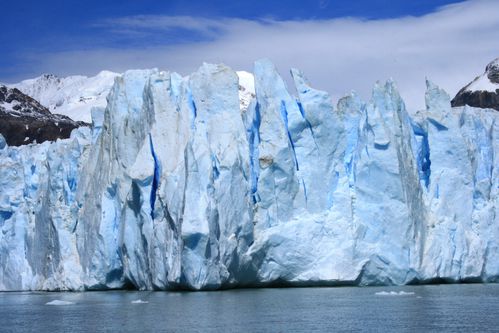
x: 453, y: 308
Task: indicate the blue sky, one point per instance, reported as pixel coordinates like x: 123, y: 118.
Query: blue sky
x: 340, y: 45
x: 58, y: 25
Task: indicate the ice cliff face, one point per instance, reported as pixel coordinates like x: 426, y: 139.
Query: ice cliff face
x: 178, y: 186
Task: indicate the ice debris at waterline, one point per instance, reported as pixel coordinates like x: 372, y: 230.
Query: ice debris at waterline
x: 176, y: 187
x: 59, y: 303
x: 139, y: 301
x: 394, y: 293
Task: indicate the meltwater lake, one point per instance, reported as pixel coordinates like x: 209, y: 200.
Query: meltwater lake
x: 438, y: 308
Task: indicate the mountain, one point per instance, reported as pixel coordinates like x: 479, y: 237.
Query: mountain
x: 72, y: 96
x: 24, y: 120
x: 483, y: 91
x: 177, y: 186
x: 75, y: 96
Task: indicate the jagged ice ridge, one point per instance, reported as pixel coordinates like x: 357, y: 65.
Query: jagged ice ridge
x: 175, y: 186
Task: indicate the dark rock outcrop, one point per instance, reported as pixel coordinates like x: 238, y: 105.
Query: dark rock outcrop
x: 492, y: 71
x: 478, y: 99
x: 24, y: 120
x: 487, y: 99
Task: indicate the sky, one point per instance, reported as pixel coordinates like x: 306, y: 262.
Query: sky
x: 339, y: 45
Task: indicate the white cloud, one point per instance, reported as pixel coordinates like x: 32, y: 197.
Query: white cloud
x: 450, y: 46
x: 131, y: 25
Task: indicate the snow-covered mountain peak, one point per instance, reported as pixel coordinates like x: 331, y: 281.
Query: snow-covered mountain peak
x: 247, y: 81
x: 73, y: 96
x: 483, y: 91
x: 488, y: 81
x: 14, y: 102
x: 246, y: 89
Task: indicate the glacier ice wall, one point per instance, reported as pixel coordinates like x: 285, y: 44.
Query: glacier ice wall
x: 177, y: 187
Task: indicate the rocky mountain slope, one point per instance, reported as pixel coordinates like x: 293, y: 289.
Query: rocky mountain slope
x: 24, y: 120
x: 483, y: 91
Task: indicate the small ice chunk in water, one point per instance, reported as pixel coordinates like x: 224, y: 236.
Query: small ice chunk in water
x: 139, y: 301
x: 394, y: 293
x: 59, y: 302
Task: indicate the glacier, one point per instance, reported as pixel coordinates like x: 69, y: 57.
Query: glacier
x: 177, y: 186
